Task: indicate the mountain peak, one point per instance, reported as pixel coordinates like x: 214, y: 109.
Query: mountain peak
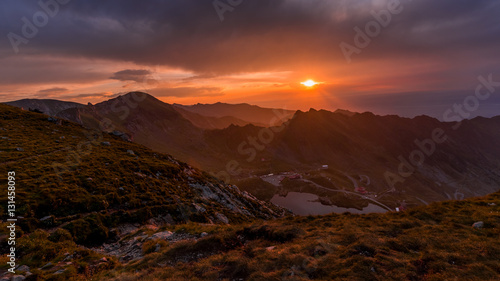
x: 345, y: 112
x: 137, y: 95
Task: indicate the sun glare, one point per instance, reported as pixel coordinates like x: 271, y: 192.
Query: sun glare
x: 308, y: 83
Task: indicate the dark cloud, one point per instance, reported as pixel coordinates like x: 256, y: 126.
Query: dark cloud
x: 202, y: 76
x: 51, y: 92
x: 54, y: 90
x: 137, y: 75
x: 258, y: 34
x: 185, y: 91
x: 26, y: 70
x: 429, y: 47
x: 103, y: 95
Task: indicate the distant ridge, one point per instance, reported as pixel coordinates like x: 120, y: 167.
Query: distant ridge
x: 250, y: 113
x: 47, y: 106
x: 382, y: 150
x: 345, y: 112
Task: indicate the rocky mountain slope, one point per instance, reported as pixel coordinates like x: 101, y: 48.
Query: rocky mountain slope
x: 419, y: 156
x: 89, y: 183
x: 348, y: 159
x: 93, y: 206
x: 453, y: 240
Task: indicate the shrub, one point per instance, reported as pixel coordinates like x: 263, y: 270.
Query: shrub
x: 150, y: 246
x: 60, y: 235
x: 88, y: 231
x: 283, y: 234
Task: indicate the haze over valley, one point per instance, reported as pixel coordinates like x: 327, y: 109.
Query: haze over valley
x: 344, y: 160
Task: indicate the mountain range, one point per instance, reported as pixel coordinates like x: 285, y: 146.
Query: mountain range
x: 95, y: 205
x: 347, y: 159
x: 89, y: 182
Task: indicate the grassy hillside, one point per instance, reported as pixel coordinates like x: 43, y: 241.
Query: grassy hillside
x: 79, y: 186
x: 435, y: 242
x: 115, y: 210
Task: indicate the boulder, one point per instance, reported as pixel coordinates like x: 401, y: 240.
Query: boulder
x: 220, y: 217
x: 199, y: 208
x: 55, y: 120
x: 60, y: 271
x: 126, y: 137
x: 161, y: 235
x: 52, y: 119
x: 68, y: 257
x: 106, y: 143
x: 478, y: 225
x: 23, y: 268
x: 47, y: 220
x: 47, y: 265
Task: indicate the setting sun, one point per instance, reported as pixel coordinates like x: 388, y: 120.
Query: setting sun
x: 309, y: 83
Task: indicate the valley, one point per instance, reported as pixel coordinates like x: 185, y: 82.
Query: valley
x: 231, y: 140
x: 346, y: 159
x: 117, y: 210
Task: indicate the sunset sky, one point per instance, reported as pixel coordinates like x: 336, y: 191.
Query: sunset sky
x: 424, y: 56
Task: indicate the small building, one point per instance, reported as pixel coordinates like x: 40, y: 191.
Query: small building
x: 324, y: 167
x: 361, y: 190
